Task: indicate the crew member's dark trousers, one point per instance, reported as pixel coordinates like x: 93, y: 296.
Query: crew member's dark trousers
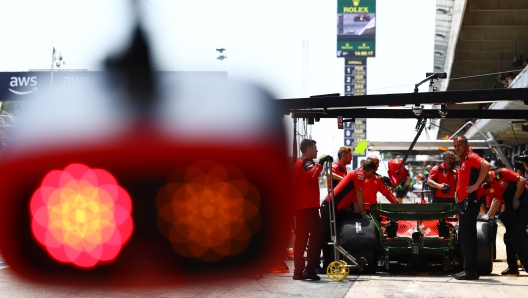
x: 511, y: 255
x: 328, y: 250
x: 307, y: 226
x: 467, y: 231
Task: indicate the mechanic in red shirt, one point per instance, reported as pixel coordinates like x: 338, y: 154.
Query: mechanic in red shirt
x: 348, y: 191
x: 305, y: 186
x: 443, y: 179
x: 504, y: 186
x: 339, y: 170
x: 373, y: 183
x: 471, y: 173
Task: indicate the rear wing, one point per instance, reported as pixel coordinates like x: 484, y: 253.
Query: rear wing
x: 414, y: 211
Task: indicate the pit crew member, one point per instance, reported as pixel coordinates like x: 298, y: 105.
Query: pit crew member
x: 504, y: 186
x: 348, y: 191
x: 470, y: 175
x: 443, y: 179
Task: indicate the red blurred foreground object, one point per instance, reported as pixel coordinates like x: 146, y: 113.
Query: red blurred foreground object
x: 145, y: 184
x: 218, y: 216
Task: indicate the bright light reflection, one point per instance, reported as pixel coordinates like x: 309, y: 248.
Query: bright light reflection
x: 81, y: 215
x: 212, y: 214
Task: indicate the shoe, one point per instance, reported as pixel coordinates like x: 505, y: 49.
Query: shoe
x: 310, y: 275
x: 507, y: 271
x: 298, y: 277
x: 466, y: 276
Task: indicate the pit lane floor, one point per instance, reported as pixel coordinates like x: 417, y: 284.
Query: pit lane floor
x: 398, y: 284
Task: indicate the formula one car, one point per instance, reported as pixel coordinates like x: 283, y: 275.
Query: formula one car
x: 362, y: 18
x: 416, y: 236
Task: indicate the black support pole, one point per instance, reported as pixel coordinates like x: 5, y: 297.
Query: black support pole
x: 422, y: 126
x: 294, y: 152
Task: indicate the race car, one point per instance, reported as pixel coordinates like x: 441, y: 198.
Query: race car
x: 362, y: 18
x: 420, y: 235
x: 414, y: 236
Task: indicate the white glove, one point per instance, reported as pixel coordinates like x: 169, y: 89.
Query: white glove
x: 485, y: 217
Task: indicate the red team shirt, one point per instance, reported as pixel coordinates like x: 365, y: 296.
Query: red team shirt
x: 468, y: 173
x: 498, y: 185
x: 340, y: 169
x: 371, y: 186
x: 345, y: 191
x: 305, y: 184
x: 442, y: 175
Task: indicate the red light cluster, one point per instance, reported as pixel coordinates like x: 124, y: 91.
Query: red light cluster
x: 211, y: 214
x: 81, y: 215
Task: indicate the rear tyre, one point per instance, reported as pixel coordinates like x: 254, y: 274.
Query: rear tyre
x: 484, y: 259
x: 494, y: 238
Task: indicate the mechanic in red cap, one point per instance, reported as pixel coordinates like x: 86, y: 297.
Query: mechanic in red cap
x: 339, y: 170
x: 374, y: 183
x: 401, y: 179
x: 443, y: 179
x: 504, y: 186
x: 348, y: 191
x: 471, y: 173
x: 305, y: 187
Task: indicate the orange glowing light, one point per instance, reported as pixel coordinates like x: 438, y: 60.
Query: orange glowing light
x: 81, y: 215
x: 210, y: 212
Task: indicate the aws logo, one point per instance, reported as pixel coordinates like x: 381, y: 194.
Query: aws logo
x: 17, y: 82
x: 74, y: 81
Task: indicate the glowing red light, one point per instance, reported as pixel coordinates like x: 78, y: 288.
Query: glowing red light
x: 211, y: 214
x: 81, y: 215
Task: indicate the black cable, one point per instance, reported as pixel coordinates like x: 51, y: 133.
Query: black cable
x: 451, y: 79
x: 487, y: 74
x: 451, y: 132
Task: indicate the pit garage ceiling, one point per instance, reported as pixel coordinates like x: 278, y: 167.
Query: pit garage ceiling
x: 489, y: 33
x: 486, y: 42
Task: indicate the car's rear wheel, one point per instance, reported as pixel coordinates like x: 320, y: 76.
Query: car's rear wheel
x: 484, y: 259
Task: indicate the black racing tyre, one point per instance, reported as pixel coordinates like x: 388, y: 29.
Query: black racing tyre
x: 484, y: 259
x: 494, y: 238
x: 358, y: 236
x: 494, y: 247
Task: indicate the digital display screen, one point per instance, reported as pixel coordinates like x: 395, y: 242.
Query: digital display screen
x: 356, y: 28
